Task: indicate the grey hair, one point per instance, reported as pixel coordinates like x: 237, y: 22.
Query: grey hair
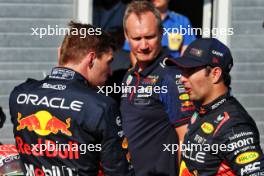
x: 139, y: 8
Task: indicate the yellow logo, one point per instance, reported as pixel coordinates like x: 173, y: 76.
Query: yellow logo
x: 207, y: 127
x: 175, y: 41
x: 246, y: 157
x: 184, y: 170
x: 43, y: 123
x: 184, y: 97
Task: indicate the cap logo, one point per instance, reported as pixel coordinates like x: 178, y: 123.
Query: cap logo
x: 215, y: 60
x: 196, y: 52
x: 217, y: 53
x: 230, y: 66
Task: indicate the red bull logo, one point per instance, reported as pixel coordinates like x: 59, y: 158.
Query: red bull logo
x: 149, y: 81
x: 184, y: 170
x: 187, y: 104
x: 43, y: 123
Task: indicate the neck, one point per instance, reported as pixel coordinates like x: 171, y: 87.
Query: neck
x: 163, y: 14
x: 144, y: 64
x: 76, y: 67
x: 217, y: 92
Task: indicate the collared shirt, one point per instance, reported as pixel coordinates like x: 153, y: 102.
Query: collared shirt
x: 177, y: 33
x: 153, y: 105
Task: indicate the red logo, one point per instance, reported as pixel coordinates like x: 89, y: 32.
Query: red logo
x: 43, y: 123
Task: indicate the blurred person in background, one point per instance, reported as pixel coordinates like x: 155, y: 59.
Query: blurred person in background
x: 62, y: 124
x: 108, y: 15
x: 173, y: 38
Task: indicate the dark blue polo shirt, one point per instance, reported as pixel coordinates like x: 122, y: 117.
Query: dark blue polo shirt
x: 156, y: 104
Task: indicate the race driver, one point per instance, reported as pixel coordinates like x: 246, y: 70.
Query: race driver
x: 155, y: 108
x: 62, y: 126
x: 222, y: 138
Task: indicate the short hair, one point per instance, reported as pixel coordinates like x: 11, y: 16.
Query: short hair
x: 225, y: 76
x: 139, y: 8
x: 77, y: 44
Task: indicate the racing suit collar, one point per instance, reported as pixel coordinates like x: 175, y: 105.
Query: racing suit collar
x: 204, y: 109
x: 65, y: 73
x: 152, y: 65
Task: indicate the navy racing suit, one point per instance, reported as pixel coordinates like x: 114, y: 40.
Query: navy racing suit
x: 63, y: 127
x: 222, y: 140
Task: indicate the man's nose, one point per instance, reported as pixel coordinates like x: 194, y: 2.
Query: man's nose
x: 144, y: 44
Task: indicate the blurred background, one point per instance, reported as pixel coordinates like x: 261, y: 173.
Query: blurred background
x: 23, y: 55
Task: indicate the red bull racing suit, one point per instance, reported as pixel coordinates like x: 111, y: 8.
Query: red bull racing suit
x: 63, y: 127
x: 222, y: 140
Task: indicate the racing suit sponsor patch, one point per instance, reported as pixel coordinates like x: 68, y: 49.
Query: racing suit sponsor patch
x: 207, y: 128
x: 250, y: 168
x: 247, y: 157
x: 43, y: 123
x: 184, y: 96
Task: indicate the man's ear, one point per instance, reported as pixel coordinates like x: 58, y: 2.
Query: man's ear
x: 90, y: 59
x: 216, y: 73
x: 125, y: 33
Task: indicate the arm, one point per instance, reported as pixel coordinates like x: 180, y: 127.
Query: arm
x: 177, y: 104
x: 243, y: 155
x: 113, y: 157
x: 181, y: 130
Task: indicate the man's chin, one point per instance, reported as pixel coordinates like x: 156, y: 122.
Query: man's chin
x: 145, y: 58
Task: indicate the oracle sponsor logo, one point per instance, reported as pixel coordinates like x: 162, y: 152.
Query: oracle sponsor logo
x: 54, y: 102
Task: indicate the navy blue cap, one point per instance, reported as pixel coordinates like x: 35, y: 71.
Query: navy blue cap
x: 206, y: 51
